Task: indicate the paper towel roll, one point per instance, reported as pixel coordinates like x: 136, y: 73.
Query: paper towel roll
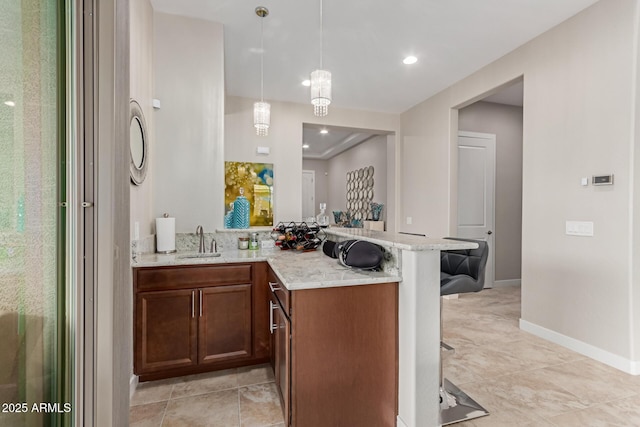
x: 165, y: 235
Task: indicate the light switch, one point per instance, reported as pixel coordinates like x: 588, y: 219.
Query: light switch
x: 263, y: 150
x: 584, y: 181
x: 409, y: 220
x: 579, y: 228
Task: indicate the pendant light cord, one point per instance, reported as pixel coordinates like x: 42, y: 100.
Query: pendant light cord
x: 321, y: 34
x: 261, y: 59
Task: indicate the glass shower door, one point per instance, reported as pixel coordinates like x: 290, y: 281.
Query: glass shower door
x: 32, y: 286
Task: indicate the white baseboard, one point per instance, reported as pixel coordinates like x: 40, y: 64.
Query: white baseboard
x: 613, y: 360
x: 507, y: 283
x: 399, y: 422
x: 133, y: 383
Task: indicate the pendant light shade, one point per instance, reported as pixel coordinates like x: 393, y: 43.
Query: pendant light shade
x: 320, y: 92
x: 261, y: 110
x: 261, y: 117
x: 320, y: 83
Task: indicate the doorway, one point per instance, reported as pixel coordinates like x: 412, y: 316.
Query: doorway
x: 502, y: 114
x: 308, y: 194
x: 332, y: 152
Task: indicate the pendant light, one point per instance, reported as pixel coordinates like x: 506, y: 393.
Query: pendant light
x: 261, y: 110
x: 320, y: 84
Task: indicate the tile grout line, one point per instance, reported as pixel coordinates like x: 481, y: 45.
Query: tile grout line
x: 164, y: 413
x: 238, y: 396
x: 239, y: 411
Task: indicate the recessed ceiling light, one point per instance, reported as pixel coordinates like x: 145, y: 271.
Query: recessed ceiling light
x: 305, y: 146
x: 410, y: 60
x: 10, y: 103
x: 324, y: 131
x: 306, y: 83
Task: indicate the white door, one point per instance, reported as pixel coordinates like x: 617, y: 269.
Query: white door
x: 476, y: 192
x: 308, y: 194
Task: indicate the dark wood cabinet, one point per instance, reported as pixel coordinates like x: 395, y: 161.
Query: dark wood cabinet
x: 336, y: 354
x: 224, y: 328
x: 281, y: 354
x: 198, y: 318
x: 166, y: 330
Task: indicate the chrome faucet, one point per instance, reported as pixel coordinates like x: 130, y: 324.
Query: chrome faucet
x: 200, y: 232
x: 214, y: 246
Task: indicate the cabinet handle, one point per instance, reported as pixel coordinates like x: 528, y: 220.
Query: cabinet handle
x: 272, y: 326
x: 193, y: 303
x: 274, y: 286
x: 200, y: 302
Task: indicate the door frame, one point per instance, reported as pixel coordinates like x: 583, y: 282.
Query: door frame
x: 313, y: 173
x: 491, y: 137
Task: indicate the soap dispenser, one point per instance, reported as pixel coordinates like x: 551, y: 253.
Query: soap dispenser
x: 323, y: 219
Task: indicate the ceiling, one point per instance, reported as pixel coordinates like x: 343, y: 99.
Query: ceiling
x: 323, y: 146
x: 365, y: 42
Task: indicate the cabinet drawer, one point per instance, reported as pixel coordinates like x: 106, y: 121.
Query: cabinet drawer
x: 283, y: 294
x: 192, y: 276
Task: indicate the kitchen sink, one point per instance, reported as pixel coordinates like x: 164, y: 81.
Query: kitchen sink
x: 199, y: 255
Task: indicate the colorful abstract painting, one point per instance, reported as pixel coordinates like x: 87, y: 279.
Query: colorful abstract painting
x: 257, y: 181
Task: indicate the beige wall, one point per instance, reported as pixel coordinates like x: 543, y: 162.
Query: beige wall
x: 142, y: 80
x: 187, y: 160
x: 285, y: 143
x: 579, y: 96
x: 505, y: 121
x: 635, y: 258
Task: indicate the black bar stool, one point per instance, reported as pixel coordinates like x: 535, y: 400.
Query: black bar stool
x: 461, y: 271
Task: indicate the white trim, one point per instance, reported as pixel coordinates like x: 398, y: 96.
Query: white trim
x: 507, y: 283
x: 613, y: 360
x: 133, y: 384
x: 399, y: 422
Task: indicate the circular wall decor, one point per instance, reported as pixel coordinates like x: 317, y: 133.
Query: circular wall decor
x: 359, y: 192
x: 138, y: 144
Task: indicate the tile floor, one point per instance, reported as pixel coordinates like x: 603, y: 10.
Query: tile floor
x: 243, y: 397
x: 520, y: 379
x: 523, y: 380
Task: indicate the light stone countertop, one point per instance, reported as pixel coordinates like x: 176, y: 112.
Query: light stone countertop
x: 398, y: 240
x: 311, y: 270
x: 296, y: 270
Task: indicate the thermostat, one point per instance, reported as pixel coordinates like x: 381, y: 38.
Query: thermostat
x: 602, y: 179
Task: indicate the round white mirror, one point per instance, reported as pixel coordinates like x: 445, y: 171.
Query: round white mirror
x: 139, y: 145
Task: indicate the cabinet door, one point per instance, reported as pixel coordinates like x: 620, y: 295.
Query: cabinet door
x: 282, y: 343
x: 166, y: 327
x: 225, y: 327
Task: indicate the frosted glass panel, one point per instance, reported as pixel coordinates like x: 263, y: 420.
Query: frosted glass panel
x: 28, y: 209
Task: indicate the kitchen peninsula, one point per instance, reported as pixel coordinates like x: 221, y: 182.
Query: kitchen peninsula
x: 312, y: 282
